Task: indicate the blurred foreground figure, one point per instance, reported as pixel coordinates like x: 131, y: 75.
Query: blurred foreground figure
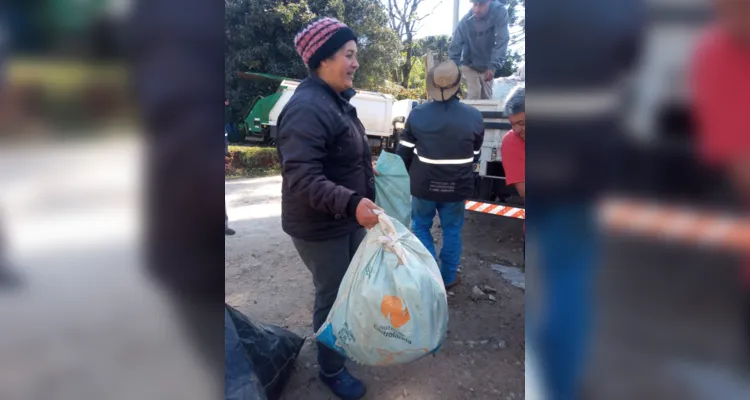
x: 178, y: 72
x: 721, y: 99
x: 9, y: 279
x: 581, y: 48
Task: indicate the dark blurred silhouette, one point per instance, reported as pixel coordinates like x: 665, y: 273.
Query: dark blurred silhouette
x: 178, y: 66
x: 580, y: 49
x: 9, y: 278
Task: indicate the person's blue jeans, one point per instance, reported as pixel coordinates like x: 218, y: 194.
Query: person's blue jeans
x: 564, y: 238
x: 451, y: 220
x: 231, y: 130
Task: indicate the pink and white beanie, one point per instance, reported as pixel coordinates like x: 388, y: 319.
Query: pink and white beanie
x: 321, y: 39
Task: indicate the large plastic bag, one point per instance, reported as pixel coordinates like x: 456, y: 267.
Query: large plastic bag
x: 391, y: 307
x: 392, y: 191
x: 270, y: 350
x: 240, y: 381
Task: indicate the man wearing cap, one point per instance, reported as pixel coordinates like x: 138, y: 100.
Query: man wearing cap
x: 479, y: 45
x: 440, y: 143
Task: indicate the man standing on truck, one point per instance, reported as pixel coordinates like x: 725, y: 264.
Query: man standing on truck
x: 479, y: 45
x: 513, y: 148
x: 721, y: 90
x: 440, y: 143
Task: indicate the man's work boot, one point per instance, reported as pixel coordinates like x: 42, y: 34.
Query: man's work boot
x: 344, y: 385
x: 229, y: 231
x: 456, y: 282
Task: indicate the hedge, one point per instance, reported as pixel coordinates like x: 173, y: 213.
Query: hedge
x: 244, y: 161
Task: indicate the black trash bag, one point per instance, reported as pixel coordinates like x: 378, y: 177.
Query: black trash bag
x: 271, y: 350
x: 240, y: 381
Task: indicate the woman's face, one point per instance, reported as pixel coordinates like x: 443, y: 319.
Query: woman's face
x: 338, y: 71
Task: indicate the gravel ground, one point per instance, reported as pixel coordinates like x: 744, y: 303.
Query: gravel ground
x: 483, y: 357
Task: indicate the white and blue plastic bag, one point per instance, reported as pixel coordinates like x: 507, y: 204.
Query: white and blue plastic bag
x: 391, y: 307
x: 392, y: 188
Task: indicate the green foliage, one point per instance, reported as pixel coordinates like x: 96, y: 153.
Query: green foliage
x: 437, y: 44
x: 379, y: 46
x: 400, y: 93
x: 260, y: 38
x: 510, y: 65
x: 418, y: 76
x: 251, y: 161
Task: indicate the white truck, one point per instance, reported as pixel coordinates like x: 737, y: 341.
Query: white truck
x: 382, y: 117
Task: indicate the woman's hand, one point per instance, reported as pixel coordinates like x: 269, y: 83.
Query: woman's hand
x: 365, y: 215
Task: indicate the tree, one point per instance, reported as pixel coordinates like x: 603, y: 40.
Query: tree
x: 509, y: 65
x: 517, y: 18
x: 260, y: 38
x: 378, y: 46
x: 437, y: 44
x: 405, y: 21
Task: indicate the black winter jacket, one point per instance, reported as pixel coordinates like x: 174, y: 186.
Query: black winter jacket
x: 439, y: 145
x: 326, y: 162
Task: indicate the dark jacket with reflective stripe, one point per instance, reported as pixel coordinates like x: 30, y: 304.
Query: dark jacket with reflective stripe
x: 326, y: 162
x: 439, y: 145
x: 578, y: 46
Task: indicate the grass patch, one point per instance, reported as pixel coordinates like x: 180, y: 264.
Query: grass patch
x: 251, y: 162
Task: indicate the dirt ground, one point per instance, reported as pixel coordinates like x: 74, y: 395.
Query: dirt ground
x: 483, y: 357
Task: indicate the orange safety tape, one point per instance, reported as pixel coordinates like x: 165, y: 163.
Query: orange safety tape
x: 655, y: 220
x: 495, y: 209
x: 675, y: 223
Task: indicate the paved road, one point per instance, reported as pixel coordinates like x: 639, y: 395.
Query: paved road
x: 88, y: 324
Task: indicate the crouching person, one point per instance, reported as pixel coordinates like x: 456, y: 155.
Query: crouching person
x: 440, y: 143
x: 328, y: 185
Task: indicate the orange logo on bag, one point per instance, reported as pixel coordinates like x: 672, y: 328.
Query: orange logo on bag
x: 388, y: 358
x: 395, y: 311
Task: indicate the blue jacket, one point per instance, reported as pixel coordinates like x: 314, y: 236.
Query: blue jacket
x: 439, y: 145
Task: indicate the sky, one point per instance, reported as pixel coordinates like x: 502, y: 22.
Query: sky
x: 441, y: 20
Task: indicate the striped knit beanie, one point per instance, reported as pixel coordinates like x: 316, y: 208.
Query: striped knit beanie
x: 321, y: 39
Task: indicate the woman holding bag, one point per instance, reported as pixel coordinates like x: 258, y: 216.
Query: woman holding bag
x: 328, y: 185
